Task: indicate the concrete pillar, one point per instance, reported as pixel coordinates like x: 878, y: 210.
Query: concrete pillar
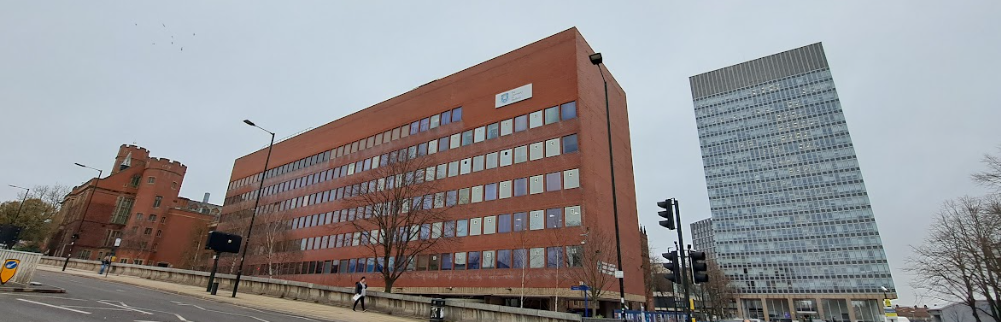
x: 851, y: 310
x: 740, y: 309
x: 792, y: 309
x: 764, y: 308
x: 820, y: 309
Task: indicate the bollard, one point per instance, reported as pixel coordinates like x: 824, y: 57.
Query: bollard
x: 215, y: 288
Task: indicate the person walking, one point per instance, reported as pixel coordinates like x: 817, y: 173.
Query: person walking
x: 105, y: 262
x: 360, y: 287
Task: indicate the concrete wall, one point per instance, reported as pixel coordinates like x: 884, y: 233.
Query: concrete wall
x: 395, y: 304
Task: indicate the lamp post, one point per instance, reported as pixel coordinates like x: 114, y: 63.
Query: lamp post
x: 18, y: 214
x: 596, y: 60
x: 257, y: 202
x: 76, y: 235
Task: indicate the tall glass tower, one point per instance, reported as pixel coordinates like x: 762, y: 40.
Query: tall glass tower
x: 791, y: 219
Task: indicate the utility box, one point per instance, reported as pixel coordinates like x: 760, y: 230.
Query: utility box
x: 437, y: 310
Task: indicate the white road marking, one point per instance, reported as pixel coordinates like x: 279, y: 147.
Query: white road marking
x: 220, y: 312
x: 181, y: 318
x: 53, y: 306
x: 123, y: 306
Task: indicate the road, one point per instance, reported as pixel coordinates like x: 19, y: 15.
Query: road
x: 90, y: 299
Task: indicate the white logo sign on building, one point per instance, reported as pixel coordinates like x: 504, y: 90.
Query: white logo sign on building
x: 513, y: 96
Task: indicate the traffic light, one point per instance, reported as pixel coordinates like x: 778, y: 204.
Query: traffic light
x: 667, y: 213
x: 673, y: 266
x: 699, y: 267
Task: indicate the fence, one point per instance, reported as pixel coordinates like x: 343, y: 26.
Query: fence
x: 396, y: 304
x: 641, y: 316
x: 25, y: 269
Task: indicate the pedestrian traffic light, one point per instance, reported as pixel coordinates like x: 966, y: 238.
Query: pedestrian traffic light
x: 699, y: 267
x: 667, y: 213
x: 673, y: 266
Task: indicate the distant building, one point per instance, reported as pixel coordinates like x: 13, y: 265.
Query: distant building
x: 138, y: 202
x: 960, y: 312
x: 702, y: 237
x: 914, y: 314
x: 791, y: 220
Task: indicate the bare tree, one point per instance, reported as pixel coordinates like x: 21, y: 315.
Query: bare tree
x: 718, y: 295
x: 960, y: 258
x: 400, y: 213
x: 992, y: 176
x: 272, y: 243
x: 585, y: 263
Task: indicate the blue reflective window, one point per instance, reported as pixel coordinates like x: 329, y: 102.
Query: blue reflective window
x: 504, y: 258
x: 457, y: 114
x: 446, y: 117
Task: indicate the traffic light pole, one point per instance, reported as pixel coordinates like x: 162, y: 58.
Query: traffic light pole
x: 684, y: 267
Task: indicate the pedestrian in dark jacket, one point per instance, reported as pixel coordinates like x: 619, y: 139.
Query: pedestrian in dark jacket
x: 360, y: 287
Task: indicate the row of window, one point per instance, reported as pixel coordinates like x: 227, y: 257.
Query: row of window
x: 547, y: 257
x: 506, y: 127
x: 552, y: 218
x: 555, y: 181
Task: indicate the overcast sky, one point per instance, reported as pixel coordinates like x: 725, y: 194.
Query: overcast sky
x: 918, y: 81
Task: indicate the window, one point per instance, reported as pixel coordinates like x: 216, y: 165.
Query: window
x: 506, y: 127
x: 150, y: 180
x: 571, y: 179
x: 552, y: 115
x: 570, y: 143
x: 535, y: 184
x: 489, y: 225
x: 553, y: 181
x: 462, y: 228
x: 520, y: 187
x: 520, y: 257
x: 552, y: 147
x: 505, y: 189
x: 477, y: 194
x: 466, y: 166
x: 490, y: 191
x: 453, y: 168
x: 446, y: 262
x: 535, y: 119
x: 463, y: 196
x: 435, y: 120
x: 460, y: 261
x: 478, y: 163
x: 442, y: 171
x: 521, y: 123
x: 425, y: 124
x: 455, y: 141
x: 536, y: 220
x: 554, y: 257
x: 504, y: 223
x: 505, y: 158
x: 475, y: 225
x: 554, y: 218
x: 473, y: 260
x: 446, y: 117
x: 535, y: 151
x: 443, y: 144
x: 159, y: 233
x: 163, y: 219
x: 504, y: 258
x: 575, y: 256
x: 139, y: 216
x: 568, y: 110
x: 488, y: 259
x: 451, y: 198
x: 493, y: 131
x: 538, y: 258
x: 491, y: 160
x: 467, y: 138
x: 433, y: 262
x: 520, y: 154
x: 450, y: 228
x: 573, y: 216
x: 152, y: 218
x: 156, y: 202
x: 479, y: 134
x: 135, y: 180
x: 457, y: 114
x: 432, y: 146
x: 415, y: 127
x: 520, y: 221
x: 147, y: 231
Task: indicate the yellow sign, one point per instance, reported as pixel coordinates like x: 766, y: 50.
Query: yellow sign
x: 8, y: 270
x: 886, y: 303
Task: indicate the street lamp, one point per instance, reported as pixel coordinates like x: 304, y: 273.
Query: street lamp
x: 18, y: 214
x: 257, y: 201
x: 83, y: 216
x: 596, y: 60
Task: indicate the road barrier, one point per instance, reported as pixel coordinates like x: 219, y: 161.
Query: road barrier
x: 25, y: 267
x: 394, y: 304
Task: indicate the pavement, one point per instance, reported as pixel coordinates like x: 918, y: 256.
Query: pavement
x: 121, y: 296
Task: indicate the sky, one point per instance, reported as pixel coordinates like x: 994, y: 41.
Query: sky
x: 917, y: 82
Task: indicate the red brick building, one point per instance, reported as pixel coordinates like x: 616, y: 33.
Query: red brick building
x: 139, y: 203
x: 521, y: 149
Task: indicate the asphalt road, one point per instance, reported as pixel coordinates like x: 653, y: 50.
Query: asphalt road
x: 90, y: 299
